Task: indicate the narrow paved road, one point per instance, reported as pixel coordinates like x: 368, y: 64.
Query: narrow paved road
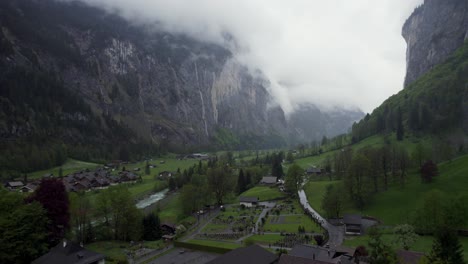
x: 335, y: 233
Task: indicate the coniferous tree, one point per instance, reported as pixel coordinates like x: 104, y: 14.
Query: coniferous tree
x: 151, y: 227
x: 446, y: 248
x: 241, y: 185
x: 147, y: 169
x: 400, y: 129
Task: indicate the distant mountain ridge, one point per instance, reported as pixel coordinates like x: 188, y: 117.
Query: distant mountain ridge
x: 167, y: 89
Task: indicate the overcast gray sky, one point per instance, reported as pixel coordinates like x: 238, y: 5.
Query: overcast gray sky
x: 346, y: 53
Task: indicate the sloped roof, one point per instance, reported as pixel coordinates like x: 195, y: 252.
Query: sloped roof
x: 352, y: 219
x: 409, y: 257
x: 288, y: 259
x: 269, y: 179
x: 313, y: 252
x: 248, y: 199
x: 71, y: 253
x: 15, y: 184
x: 248, y: 255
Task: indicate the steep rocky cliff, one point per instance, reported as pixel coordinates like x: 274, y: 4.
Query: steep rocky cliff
x: 164, y: 88
x: 433, y: 32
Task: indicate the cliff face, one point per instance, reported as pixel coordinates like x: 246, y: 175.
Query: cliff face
x: 433, y: 32
x: 168, y: 89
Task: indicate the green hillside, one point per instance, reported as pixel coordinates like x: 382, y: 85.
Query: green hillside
x: 434, y: 104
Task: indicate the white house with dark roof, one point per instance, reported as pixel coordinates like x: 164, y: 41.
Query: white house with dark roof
x: 248, y: 201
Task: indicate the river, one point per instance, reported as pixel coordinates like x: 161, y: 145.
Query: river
x: 151, y: 199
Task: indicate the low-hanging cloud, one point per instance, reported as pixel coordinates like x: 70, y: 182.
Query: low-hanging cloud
x: 333, y: 53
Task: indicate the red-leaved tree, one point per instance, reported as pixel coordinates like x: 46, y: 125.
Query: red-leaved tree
x: 428, y: 171
x: 51, y: 194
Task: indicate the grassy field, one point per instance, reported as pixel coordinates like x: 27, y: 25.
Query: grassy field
x: 171, y: 210
x: 214, y: 243
x: 376, y: 141
x: 266, y: 238
x: 422, y: 244
x: 397, y: 205
x: 264, y: 193
x: 315, y: 192
x: 115, y: 250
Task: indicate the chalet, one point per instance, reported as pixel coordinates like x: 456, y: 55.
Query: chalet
x: 70, y: 253
x: 30, y: 187
x: 127, y: 176
x: 247, y: 255
x: 14, y: 185
x: 269, y: 180
x: 313, y: 171
x: 248, y: 201
x: 198, y: 156
x: 165, y: 175
x: 353, y: 224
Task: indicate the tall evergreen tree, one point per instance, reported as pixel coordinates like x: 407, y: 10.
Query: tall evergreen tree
x: 446, y: 248
x: 241, y: 185
x: 151, y: 227
x: 147, y: 169
x: 400, y: 129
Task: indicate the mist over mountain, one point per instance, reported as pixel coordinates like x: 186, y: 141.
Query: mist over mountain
x: 82, y: 77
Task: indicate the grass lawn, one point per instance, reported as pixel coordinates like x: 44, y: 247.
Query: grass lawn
x: 397, y: 205
x: 423, y: 244
x: 171, y: 209
x: 265, y: 239
x: 214, y: 243
x: 264, y: 193
x: 315, y: 190
x: 115, y: 250
x: 376, y: 141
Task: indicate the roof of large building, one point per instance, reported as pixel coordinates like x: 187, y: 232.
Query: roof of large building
x: 248, y: 255
x: 288, y: 259
x: 352, y: 219
x: 15, y: 184
x: 409, y: 257
x: 315, y: 253
x: 70, y: 253
x: 269, y: 180
x: 248, y: 199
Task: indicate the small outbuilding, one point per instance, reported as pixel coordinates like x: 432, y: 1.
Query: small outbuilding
x: 353, y: 224
x: 248, y: 201
x: 70, y: 253
x: 269, y: 180
x: 14, y: 185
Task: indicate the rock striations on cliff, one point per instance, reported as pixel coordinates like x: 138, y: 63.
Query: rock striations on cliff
x: 169, y: 89
x: 433, y: 32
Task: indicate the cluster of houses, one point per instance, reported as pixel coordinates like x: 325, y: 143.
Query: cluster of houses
x: 98, y: 179
x: 80, y: 181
